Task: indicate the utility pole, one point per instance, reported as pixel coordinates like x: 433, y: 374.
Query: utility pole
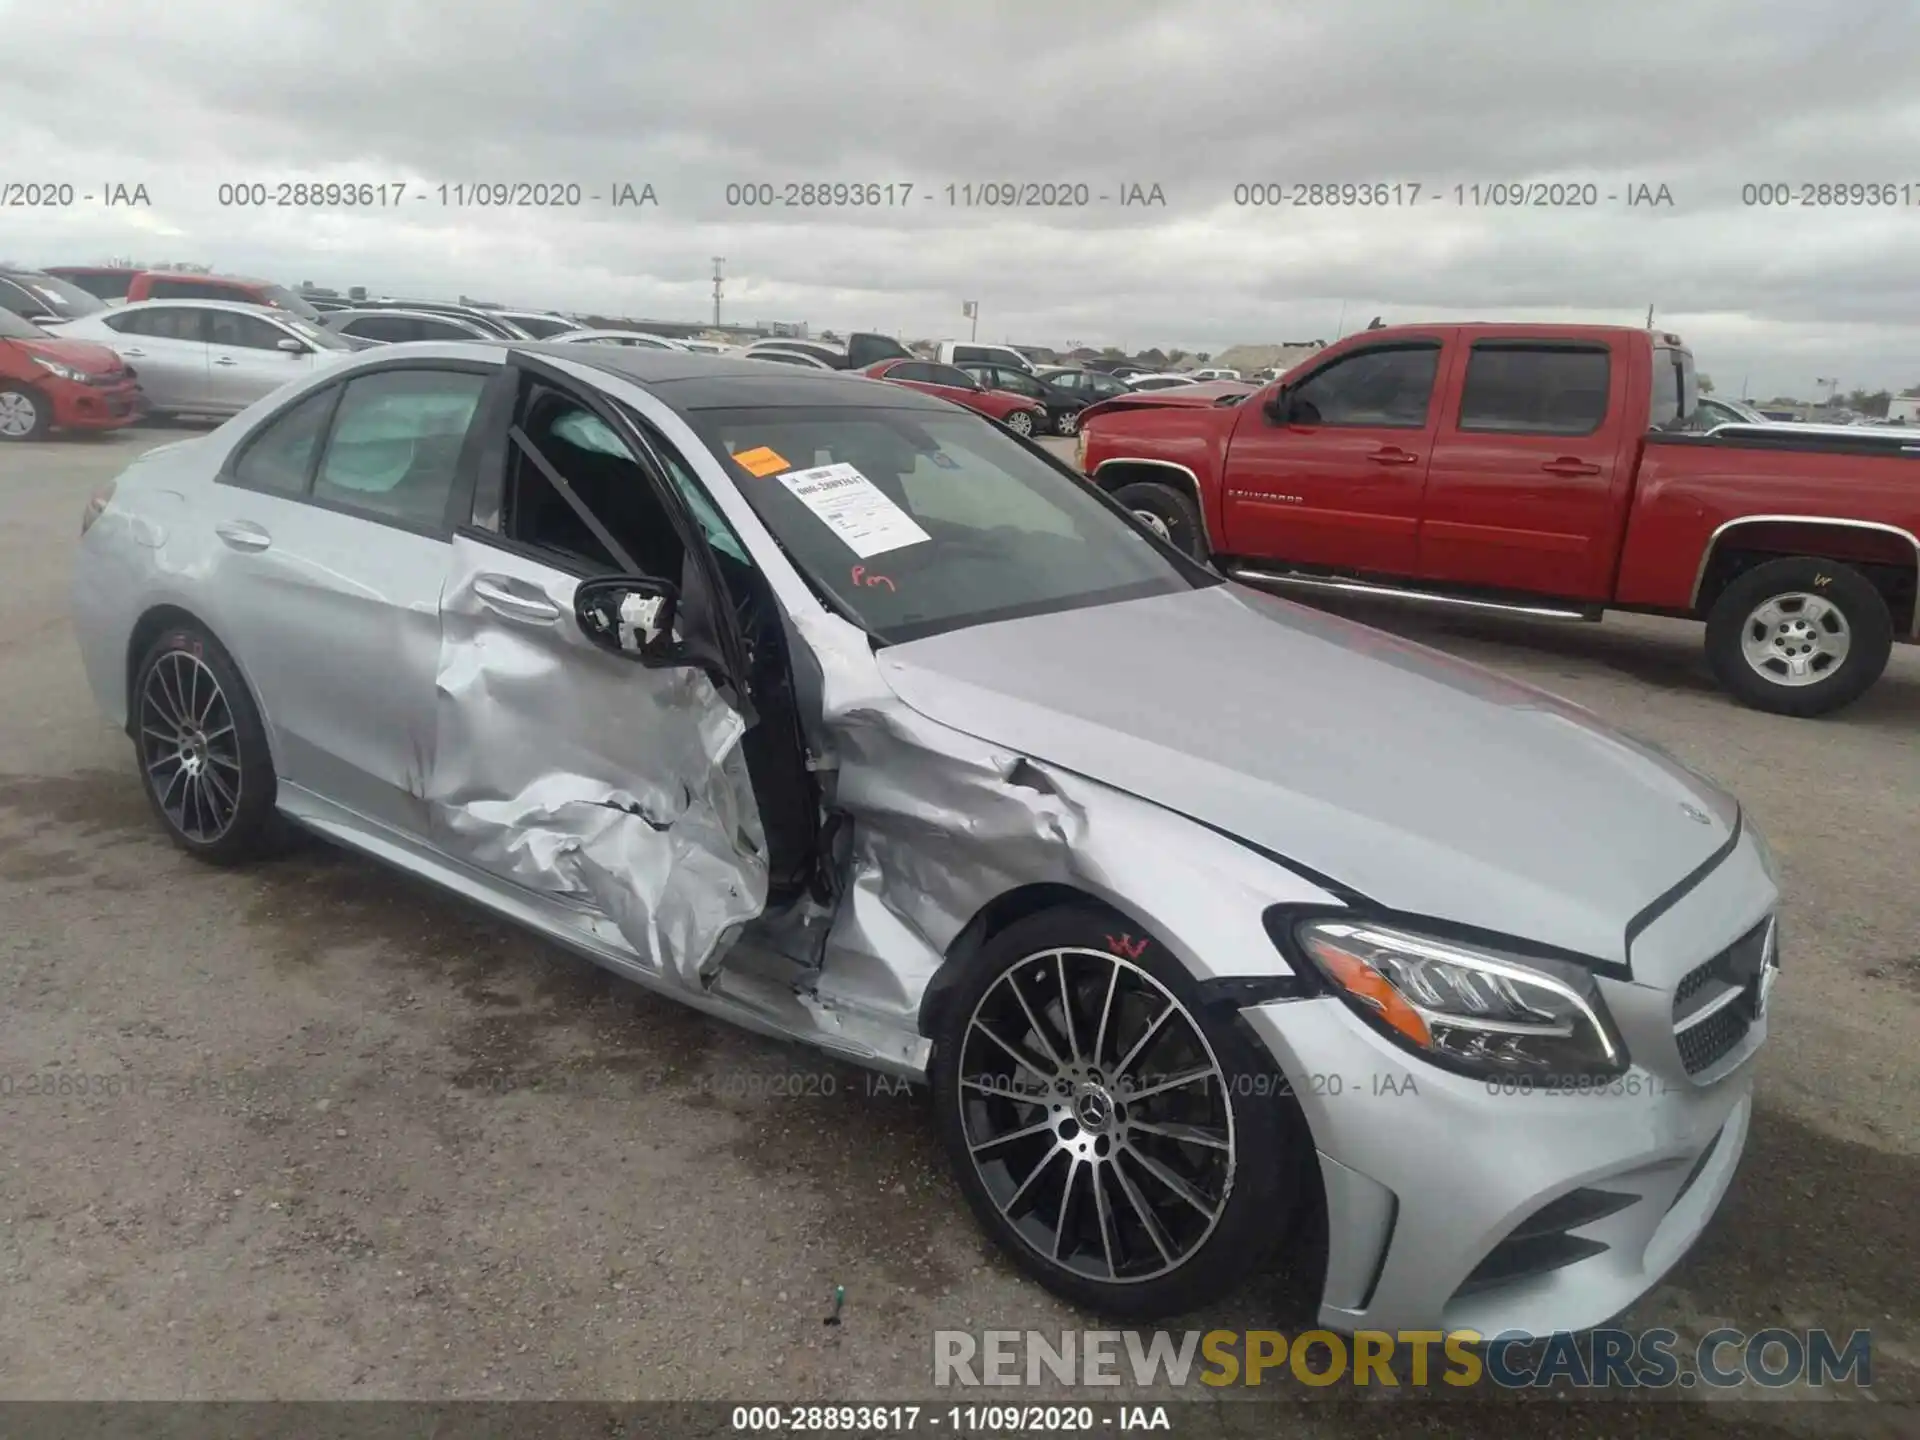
x: 719, y: 261
x: 1649, y: 317
x: 971, y: 310
x: 1340, y: 325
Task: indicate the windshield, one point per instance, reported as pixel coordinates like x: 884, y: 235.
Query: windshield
x: 917, y: 522
x: 281, y: 298
x: 12, y: 327
x: 64, y: 298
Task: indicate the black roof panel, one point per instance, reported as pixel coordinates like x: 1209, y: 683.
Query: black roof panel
x: 688, y: 380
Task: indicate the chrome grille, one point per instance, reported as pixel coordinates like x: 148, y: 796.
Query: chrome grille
x: 1716, y: 1004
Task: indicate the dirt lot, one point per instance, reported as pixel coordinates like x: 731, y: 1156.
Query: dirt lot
x: 375, y: 1146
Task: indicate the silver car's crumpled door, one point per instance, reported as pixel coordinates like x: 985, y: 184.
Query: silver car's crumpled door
x: 565, y: 769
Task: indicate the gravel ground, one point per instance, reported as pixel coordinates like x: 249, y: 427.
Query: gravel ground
x: 376, y: 1145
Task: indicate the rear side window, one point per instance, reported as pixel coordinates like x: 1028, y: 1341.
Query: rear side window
x: 437, y: 329
x: 1535, y: 389
x: 395, y: 444
x: 166, y: 289
x: 166, y: 323
x: 103, y: 284
x: 279, y: 458
x: 1674, y: 391
x: 383, y: 327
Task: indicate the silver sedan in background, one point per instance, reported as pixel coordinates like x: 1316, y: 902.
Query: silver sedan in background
x: 837, y: 711
x: 209, y: 357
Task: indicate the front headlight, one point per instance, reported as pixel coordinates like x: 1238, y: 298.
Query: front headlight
x: 1469, y: 1009
x: 65, y: 372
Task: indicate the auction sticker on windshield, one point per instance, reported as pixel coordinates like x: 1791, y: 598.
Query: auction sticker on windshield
x: 761, y: 462
x: 854, y: 508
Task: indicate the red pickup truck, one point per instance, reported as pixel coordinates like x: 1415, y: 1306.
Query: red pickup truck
x: 1544, y: 469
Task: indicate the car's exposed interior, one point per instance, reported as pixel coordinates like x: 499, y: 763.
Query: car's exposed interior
x: 625, y: 497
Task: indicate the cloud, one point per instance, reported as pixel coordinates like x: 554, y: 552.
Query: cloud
x: 1707, y: 100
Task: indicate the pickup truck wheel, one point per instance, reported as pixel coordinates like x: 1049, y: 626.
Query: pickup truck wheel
x: 1118, y: 1138
x: 1799, y: 637
x: 1166, y: 512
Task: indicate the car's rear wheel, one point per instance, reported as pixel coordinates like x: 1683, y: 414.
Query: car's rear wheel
x: 1020, y: 422
x: 204, y: 760
x: 1799, y: 636
x: 24, y: 412
x: 1166, y: 512
x: 1131, y: 1149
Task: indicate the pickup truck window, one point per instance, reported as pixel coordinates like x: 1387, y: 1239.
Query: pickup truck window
x: 1386, y: 387
x: 1675, y: 391
x: 1519, y: 389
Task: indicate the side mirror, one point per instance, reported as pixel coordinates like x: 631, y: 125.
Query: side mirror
x: 1279, y: 406
x: 292, y: 346
x: 632, y: 616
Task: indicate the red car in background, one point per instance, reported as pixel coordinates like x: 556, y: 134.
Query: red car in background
x: 47, y: 382
x: 1016, y: 412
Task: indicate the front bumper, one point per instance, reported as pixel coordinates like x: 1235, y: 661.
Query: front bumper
x: 1457, y: 1203
x: 96, y: 407
x: 1428, y: 1173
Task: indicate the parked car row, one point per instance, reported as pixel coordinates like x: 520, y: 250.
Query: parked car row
x: 188, y: 343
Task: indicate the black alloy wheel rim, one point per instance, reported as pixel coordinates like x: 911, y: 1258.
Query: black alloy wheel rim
x: 1096, y: 1115
x: 190, y: 747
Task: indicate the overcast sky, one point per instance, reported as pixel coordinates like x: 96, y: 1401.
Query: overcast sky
x: 1701, y: 97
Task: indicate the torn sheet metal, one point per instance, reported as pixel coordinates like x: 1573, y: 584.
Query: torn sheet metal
x: 941, y: 825
x: 579, y: 773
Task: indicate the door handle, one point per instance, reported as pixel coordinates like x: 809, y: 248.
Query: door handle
x: 243, y: 535
x: 496, y: 593
x: 1392, y: 456
x: 133, y: 352
x: 1569, y: 466
x: 226, y: 360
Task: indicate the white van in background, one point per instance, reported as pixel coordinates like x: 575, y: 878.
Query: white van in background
x: 963, y: 352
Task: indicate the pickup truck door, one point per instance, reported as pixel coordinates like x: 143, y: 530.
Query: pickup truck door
x: 1520, y: 493
x: 1338, y: 481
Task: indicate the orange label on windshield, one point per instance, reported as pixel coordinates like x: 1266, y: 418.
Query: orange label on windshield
x: 761, y: 461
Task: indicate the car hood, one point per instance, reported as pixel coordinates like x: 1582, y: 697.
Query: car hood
x: 84, y: 355
x: 1428, y: 785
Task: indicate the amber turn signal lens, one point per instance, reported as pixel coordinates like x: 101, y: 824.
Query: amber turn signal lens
x: 1370, y: 988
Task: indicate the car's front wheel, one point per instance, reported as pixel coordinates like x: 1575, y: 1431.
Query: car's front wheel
x: 1020, y: 422
x: 1799, y: 636
x: 1068, y: 424
x: 1131, y: 1149
x: 24, y: 412
x: 204, y: 759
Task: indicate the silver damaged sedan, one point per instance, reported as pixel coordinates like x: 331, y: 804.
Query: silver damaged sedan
x: 846, y: 715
